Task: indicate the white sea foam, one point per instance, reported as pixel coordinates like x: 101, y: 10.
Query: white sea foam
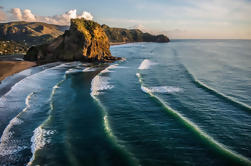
x: 161, y: 89
x: 196, y: 128
x: 6, y: 147
x: 146, y: 64
x: 89, y: 69
x: 72, y: 71
x: 40, y: 138
x: 9, y: 146
x: 101, y: 83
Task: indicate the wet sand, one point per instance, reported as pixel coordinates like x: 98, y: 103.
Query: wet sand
x: 8, y: 68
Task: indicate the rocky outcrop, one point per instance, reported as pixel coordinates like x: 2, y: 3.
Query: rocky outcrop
x: 132, y: 35
x: 84, y: 41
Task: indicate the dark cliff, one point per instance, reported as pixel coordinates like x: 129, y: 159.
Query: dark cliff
x: 85, y: 41
x: 132, y: 35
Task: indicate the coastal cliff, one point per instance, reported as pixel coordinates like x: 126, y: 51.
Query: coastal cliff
x: 132, y: 35
x: 84, y: 41
x: 27, y: 34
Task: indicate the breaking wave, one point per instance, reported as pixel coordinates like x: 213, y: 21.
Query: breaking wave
x: 214, y: 91
x: 162, y: 89
x: 39, y: 139
x: 98, y: 84
x: 196, y: 129
x: 146, y: 64
x: 7, y: 147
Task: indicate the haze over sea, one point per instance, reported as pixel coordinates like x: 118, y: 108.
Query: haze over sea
x: 187, y: 102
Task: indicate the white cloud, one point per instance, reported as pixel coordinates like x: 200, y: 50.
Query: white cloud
x: 62, y: 19
x: 28, y: 16
x: 86, y: 15
x: 16, y: 14
x: 2, y: 14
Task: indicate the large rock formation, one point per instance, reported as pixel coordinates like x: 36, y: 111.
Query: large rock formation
x: 85, y: 41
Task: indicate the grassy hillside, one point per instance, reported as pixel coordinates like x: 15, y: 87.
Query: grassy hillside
x: 30, y: 33
x: 131, y: 35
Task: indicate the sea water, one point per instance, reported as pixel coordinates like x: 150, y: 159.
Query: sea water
x: 186, y: 102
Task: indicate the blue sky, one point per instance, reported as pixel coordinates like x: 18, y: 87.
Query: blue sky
x: 176, y: 18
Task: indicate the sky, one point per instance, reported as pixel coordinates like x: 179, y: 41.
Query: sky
x: 178, y: 19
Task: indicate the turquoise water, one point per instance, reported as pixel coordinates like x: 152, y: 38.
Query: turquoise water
x: 186, y: 102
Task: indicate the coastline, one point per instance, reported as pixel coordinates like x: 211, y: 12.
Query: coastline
x: 13, y: 64
x: 9, y: 67
x: 117, y: 43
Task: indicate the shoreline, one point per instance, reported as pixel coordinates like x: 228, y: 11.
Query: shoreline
x: 13, y: 64
x: 9, y: 67
x: 117, y: 43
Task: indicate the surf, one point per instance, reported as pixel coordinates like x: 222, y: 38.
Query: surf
x: 146, y: 64
x: 101, y: 83
x: 38, y: 140
x: 238, y: 158
x: 5, y: 148
x: 215, y: 92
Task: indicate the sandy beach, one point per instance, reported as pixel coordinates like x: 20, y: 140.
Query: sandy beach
x: 8, y: 68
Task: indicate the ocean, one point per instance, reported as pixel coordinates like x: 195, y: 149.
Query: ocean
x: 186, y: 103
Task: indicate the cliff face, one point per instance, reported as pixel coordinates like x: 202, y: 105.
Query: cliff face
x: 85, y: 41
x: 132, y: 35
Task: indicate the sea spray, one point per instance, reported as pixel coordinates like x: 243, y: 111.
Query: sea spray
x: 238, y: 158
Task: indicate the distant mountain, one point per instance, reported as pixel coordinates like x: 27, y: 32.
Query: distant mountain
x: 30, y: 33
x: 131, y: 35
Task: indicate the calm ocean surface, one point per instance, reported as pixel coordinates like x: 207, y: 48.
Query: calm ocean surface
x: 187, y: 102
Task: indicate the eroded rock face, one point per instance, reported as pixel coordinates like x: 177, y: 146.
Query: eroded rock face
x: 84, y: 41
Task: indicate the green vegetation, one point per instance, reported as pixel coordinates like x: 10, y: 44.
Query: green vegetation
x: 17, y: 37
x: 30, y: 33
x: 131, y: 35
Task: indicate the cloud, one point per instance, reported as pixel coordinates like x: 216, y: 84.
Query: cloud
x: 62, y: 19
x: 16, y: 14
x: 2, y: 14
x: 86, y: 15
x: 28, y: 16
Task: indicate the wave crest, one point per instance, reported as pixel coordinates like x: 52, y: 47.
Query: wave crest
x: 146, y: 64
x: 161, y: 89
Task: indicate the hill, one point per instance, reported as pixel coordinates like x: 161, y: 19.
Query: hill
x: 27, y: 34
x: 30, y: 33
x: 131, y: 35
